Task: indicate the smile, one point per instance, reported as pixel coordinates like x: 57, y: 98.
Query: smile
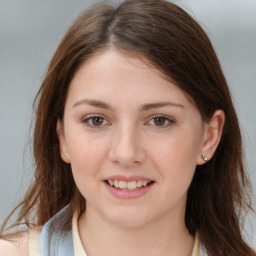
x: 128, y: 185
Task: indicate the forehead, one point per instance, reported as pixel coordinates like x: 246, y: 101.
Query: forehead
x: 111, y: 73
x: 115, y: 63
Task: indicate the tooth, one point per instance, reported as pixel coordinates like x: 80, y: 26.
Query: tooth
x: 144, y: 183
x: 116, y: 183
x: 131, y: 184
x: 122, y: 184
x: 139, y: 184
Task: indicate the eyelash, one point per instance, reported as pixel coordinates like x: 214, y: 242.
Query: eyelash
x: 165, y: 118
x: 89, y: 119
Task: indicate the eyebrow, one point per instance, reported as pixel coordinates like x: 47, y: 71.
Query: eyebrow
x: 149, y: 106
x: 94, y: 103
x: 144, y: 107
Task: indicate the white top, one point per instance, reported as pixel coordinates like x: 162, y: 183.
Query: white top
x: 78, y: 247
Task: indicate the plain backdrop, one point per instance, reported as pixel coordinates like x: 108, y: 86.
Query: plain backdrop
x: 30, y: 31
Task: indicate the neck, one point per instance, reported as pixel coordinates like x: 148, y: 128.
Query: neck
x: 161, y: 237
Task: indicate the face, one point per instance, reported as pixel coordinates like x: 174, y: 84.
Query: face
x: 133, y: 140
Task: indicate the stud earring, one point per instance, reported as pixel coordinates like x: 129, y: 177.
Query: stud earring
x: 204, y: 158
x: 66, y: 155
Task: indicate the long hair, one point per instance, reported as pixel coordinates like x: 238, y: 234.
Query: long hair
x: 176, y: 44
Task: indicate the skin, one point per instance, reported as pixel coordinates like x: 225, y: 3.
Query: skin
x: 128, y: 140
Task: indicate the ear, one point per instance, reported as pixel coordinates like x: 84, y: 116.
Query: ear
x: 212, y: 135
x: 62, y: 142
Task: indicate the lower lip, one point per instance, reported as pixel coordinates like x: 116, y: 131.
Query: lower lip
x: 128, y: 194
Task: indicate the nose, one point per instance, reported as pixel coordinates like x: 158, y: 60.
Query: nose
x: 126, y: 148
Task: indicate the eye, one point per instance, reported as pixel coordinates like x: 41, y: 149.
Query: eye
x: 160, y: 121
x: 95, y: 121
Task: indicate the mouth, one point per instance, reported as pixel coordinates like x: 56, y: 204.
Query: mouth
x: 128, y: 185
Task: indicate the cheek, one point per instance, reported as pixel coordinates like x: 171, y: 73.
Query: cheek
x: 86, y: 157
x: 178, y: 151
x: 86, y: 161
x: 176, y: 160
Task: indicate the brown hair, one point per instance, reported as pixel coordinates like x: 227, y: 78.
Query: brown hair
x: 176, y: 44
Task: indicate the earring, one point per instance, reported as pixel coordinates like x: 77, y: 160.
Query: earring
x: 66, y: 155
x: 204, y: 157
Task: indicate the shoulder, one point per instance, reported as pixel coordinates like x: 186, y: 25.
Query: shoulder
x: 17, y: 246
x: 23, y: 244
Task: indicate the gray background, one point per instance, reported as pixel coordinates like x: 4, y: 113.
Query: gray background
x: 30, y: 30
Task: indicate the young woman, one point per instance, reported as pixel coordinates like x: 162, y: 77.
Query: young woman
x: 136, y: 144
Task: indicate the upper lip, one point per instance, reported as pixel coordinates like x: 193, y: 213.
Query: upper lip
x: 127, y: 178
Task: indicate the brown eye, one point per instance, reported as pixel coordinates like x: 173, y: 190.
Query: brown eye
x: 159, y: 121
x: 97, y: 121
